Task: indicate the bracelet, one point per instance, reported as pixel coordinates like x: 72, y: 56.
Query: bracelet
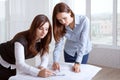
x: 77, y: 63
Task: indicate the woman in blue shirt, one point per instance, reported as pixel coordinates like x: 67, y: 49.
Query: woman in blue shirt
x: 71, y: 33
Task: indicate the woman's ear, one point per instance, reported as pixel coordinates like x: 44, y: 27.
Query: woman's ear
x: 70, y: 13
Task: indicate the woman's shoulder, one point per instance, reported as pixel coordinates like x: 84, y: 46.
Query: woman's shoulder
x: 20, y: 37
x: 80, y: 18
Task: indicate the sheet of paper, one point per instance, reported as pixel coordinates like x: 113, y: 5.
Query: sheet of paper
x: 87, y: 73
x: 58, y: 73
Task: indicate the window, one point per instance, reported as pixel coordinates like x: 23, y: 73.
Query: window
x: 101, y: 21
x: 118, y: 23
x: 80, y: 7
x: 2, y: 20
x: 104, y: 18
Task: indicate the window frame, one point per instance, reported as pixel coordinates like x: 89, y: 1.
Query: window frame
x: 114, y: 23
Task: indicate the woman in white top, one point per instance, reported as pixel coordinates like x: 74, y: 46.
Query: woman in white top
x: 25, y: 45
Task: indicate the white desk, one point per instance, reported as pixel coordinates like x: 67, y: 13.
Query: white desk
x: 87, y: 73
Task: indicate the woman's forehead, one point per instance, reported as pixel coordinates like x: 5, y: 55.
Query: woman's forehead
x: 62, y: 15
x: 45, y: 25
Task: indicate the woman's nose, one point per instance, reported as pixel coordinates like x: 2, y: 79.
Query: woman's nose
x: 63, y: 21
x: 43, y: 31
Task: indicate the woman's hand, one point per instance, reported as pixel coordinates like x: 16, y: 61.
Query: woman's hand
x: 76, y: 68
x: 56, y: 66
x: 40, y: 67
x: 45, y: 73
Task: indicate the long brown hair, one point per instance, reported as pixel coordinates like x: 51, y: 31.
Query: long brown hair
x: 59, y: 29
x: 39, y: 21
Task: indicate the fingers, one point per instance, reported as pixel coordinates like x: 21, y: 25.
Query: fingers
x: 56, y: 66
x: 76, y: 68
x: 45, y: 73
x: 49, y: 73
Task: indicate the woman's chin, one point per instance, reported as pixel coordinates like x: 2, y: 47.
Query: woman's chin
x: 42, y: 37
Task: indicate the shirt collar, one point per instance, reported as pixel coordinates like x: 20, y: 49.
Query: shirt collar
x: 77, y: 19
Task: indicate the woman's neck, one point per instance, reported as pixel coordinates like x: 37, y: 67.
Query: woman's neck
x: 38, y: 40
x: 72, y: 24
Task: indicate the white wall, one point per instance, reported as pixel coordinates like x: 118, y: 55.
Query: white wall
x: 105, y: 57
x: 22, y: 13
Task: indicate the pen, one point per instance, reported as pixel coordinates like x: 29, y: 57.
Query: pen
x: 60, y: 75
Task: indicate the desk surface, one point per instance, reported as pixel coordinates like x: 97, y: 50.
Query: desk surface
x: 87, y: 73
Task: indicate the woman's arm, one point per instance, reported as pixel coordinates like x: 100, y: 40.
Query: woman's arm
x: 44, y: 60
x: 84, y: 37
x: 20, y: 61
x: 58, y: 49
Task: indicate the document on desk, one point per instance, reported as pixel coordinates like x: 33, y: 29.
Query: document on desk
x: 87, y: 73
x: 58, y: 73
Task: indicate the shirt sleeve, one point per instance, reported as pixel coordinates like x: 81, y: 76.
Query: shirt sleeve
x: 83, y: 40
x: 58, y: 49
x: 44, y: 60
x: 20, y: 61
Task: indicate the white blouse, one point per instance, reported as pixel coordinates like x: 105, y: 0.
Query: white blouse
x: 21, y: 65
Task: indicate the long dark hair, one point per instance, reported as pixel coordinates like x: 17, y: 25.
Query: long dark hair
x: 59, y: 29
x: 30, y: 36
x: 39, y: 21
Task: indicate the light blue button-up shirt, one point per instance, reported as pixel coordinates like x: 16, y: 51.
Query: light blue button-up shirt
x: 76, y: 40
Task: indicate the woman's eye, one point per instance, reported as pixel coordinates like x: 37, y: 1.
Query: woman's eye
x: 64, y: 18
x: 40, y: 28
x: 46, y: 29
x: 60, y: 21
